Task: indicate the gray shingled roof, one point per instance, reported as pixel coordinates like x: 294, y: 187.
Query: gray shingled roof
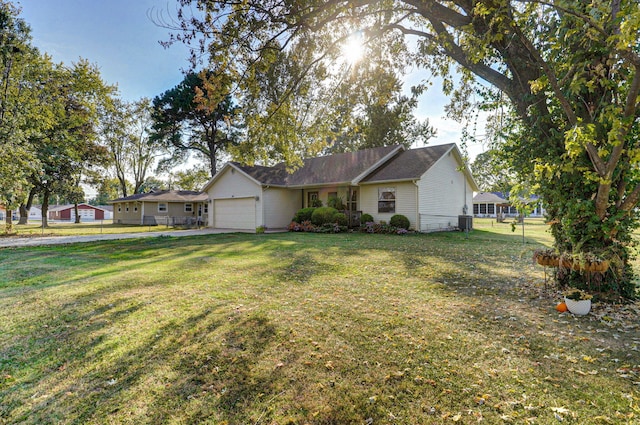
x: 275, y: 176
x: 166, y: 196
x: 489, y: 197
x: 337, y: 168
x: 410, y: 164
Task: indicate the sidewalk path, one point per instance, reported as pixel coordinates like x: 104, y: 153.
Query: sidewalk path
x: 58, y: 240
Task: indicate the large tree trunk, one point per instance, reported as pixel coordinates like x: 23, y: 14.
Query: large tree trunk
x: 75, y: 208
x: 25, y: 208
x: 8, y: 228
x: 45, y: 208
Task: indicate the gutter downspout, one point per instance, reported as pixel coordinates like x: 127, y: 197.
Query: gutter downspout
x: 415, y: 182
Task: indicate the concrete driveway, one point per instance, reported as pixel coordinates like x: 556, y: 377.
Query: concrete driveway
x: 11, y: 242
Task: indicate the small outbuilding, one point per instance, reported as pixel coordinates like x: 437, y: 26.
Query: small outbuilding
x: 68, y: 213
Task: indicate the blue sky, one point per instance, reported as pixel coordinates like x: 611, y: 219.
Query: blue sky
x: 121, y: 39
x: 117, y: 35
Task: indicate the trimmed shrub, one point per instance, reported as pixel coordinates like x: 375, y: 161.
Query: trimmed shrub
x: 323, y: 215
x: 340, y: 219
x: 366, y: 218
x: 399, y: 221
x: 303, y: 214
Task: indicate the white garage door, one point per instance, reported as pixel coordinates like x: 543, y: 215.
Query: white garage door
x: 235, y: 213
x: 85, y: 214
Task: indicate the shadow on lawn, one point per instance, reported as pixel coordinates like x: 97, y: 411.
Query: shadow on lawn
x: 116, y: 349
x: 195, y: 368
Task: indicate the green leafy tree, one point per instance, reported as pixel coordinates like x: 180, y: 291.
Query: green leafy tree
x: 191, y: 179
x: 67, y: 144
x: 492, y: 172
x: 198, y: 115
x: 19, y: 84
x: 567, y: 71
x: 152, y: 183
x: 108, y: 189
x: 377, y: 114
x: 124, y: 131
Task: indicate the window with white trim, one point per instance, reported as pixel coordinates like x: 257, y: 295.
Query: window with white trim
x: 188, y: 208
x: 387, y: 200
x: 162, y: 207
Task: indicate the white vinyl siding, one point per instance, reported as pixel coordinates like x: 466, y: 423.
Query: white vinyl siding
x: 280, y: 205
x: 405, y: 201
x: 443, y: 193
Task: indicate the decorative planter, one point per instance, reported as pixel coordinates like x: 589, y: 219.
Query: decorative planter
x: 579, y: 308
x: 547, y: 261
x: 600, y: 267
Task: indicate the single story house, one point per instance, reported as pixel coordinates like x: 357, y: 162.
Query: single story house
x: 168, y: 207
x: 35, y: 213
x: 68, y: 212
x: 108, y: 211
x: 497, y: 204
x: 431, y: 186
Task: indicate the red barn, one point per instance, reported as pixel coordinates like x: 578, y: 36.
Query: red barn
x: 85, y: 211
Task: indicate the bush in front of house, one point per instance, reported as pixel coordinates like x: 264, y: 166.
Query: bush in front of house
x: 400, y: 221
x: 340, y: 219
x: 366, y: 218
x: 307, y: 226
x: 303, y: 215
x: 382, y: 228
x: 323, y: 215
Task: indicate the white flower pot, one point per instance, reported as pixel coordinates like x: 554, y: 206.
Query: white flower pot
x: 579, y: 308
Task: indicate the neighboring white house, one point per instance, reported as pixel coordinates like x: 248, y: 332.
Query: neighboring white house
x: 35, y: 213
x: 497, y: 204
x: 426, y: 185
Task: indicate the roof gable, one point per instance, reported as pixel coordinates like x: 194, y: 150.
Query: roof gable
x: 409, y: 165
x: 82, y: 206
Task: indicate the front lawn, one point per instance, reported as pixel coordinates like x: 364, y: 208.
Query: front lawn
x: 301, y: 328
x: 34, y: 229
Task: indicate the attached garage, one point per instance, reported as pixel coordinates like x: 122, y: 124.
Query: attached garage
x: 235, y: 213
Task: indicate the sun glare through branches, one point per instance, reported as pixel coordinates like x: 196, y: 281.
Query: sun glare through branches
x: 353, y: 48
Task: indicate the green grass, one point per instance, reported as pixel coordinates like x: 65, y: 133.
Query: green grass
x: 306, y: 329
x: 34, y: 229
